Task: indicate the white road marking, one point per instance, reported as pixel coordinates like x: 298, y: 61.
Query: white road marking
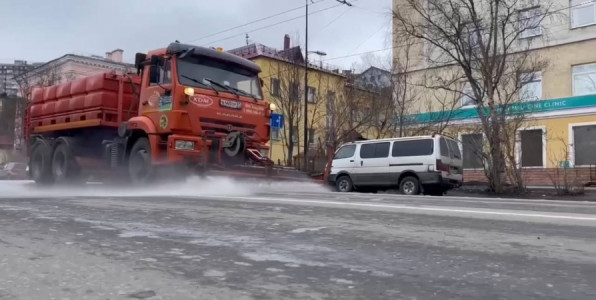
x: 417, y: 208
x: 451, y: 198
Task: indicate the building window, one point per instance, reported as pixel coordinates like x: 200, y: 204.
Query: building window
x: 275, y: 134
x: 467, y: 96
x: 583, y: 13
x: 472, y: 145
x: 584, y: 79
x: 275, y: 87
x: 294, y: 92
x: 531, y: 145
x: 584, y: 143
x: 377, y: 150
x: 531, y: 86
x: 529, y: 22
x: 312, y: 94
x: 312, y: 136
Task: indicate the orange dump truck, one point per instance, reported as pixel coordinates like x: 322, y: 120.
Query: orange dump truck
x: 187, y: 108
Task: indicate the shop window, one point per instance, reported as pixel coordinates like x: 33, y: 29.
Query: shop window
x: 472, y: 145
x: 584, y: 145
x: 531, y: 145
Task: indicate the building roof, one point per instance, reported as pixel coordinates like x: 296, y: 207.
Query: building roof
x: 78, y: 58
x: 372, y: 68
x: 291, y: 55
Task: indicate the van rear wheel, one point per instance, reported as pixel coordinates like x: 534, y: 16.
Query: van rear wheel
x: 409, y: 186
x: 344, y: 184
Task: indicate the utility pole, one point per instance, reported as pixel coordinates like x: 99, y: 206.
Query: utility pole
x: 306, y: 144
x: 305, y: 152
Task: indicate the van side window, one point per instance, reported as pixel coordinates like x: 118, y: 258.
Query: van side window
x: 444, y: 147
x: 345, y: 152
x: 377, y: 150
x: 412, y: 148
x: 454, y: 148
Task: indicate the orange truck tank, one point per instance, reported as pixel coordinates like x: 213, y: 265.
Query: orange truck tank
x: 187, y: 108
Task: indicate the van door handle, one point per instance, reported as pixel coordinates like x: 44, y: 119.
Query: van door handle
x: 351, y: 160
x: 361, y: 162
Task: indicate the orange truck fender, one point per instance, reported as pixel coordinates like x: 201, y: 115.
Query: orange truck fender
x: 144, y: 124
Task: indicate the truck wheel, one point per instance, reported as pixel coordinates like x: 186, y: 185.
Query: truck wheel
x: 140, y: 169
x: 64, y: 166
x: 40, y: 163
x: 409, y: 186
x: 344, y: 184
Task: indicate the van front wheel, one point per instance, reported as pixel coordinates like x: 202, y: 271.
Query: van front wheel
x: 409, y: 186
x: 344, y: 184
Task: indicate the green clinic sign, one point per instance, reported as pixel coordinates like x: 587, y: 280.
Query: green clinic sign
x: 517, y: 108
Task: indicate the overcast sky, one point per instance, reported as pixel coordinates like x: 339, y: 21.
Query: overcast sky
x: 41, y: 30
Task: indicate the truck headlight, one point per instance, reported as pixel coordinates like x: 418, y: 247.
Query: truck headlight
x: 273, y: 107
x: 189, y: 91
x: 184, y: 145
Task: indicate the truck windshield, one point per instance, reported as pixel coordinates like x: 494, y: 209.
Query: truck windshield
x: 205, y: 71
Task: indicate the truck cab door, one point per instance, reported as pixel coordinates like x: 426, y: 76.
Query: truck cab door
x: 156, y: 91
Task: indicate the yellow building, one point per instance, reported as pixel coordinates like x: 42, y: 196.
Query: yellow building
x: 283, y: 84
x: 558, y: 100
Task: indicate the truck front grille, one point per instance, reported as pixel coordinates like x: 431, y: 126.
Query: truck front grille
x: 225, y: 127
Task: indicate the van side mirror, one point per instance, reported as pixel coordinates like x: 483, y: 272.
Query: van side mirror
x: 154, y: 74
x: 262, y: 82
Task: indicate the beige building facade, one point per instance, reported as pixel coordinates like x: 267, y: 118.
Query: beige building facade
x: 560, y: 99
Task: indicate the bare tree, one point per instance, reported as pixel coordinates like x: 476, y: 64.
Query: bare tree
x: 349, y: 111
x: 477, y: 42
x: 564, y: 179
x: 287, y: 91
x: 46, y: 75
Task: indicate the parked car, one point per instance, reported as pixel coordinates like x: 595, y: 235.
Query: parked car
x: 14, y: 170
x: 413, y: 165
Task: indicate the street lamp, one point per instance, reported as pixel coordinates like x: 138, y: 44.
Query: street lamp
x: 306, y: 81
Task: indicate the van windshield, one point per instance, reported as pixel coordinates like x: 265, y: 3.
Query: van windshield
x: 345, y: 152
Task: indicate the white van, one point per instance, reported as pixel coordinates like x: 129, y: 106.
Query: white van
x: 422, y: 164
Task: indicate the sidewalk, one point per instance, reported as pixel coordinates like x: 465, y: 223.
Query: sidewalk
x: 532, y: 192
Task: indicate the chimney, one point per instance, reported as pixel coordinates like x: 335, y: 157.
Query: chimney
x: 286, y: 42
x: 115, y: 55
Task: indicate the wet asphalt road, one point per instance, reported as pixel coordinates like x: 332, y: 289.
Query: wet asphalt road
x: 241, y: 241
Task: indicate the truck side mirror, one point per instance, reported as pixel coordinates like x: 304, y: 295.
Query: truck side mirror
x: 139, y: 59
x: 154, y: 74
x: 262, y: 82
x: 157, y: 61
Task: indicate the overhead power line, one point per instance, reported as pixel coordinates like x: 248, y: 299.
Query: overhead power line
x: 251, y: 22
x: 274, y: 24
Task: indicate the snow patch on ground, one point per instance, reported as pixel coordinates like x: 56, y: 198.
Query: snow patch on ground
x: 342, y: 281
x: 302, y: 230
x: 191, y: 187
x: 287, y: 259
